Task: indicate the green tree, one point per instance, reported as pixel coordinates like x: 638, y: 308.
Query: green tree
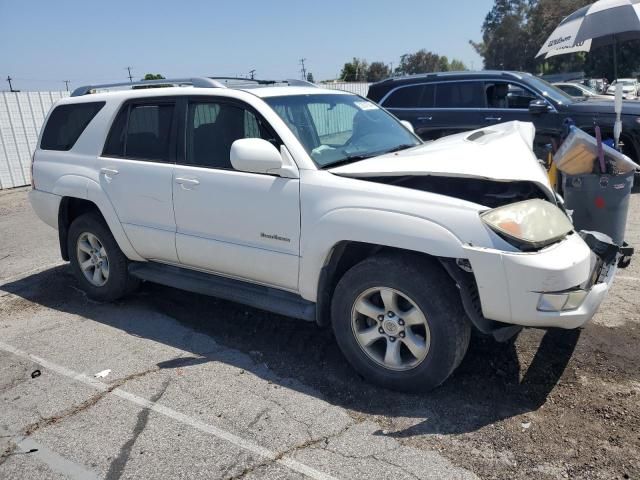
x: 505, y: 39
x: 378, y: 71
x: 421, y: 61
x: 457, y: 66
x: 355, y: 70
x: 153, y: 76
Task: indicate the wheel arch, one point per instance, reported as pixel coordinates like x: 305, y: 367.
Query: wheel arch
x: 72, y: 206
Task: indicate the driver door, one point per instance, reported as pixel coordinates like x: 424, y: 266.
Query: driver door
x: 507, y: 102
x: 239, y: 224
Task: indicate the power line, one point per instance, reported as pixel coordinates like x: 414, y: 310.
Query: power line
x: 11, y: 86
x: 303, y: 69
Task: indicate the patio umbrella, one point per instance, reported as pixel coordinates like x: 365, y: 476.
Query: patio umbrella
x: 605, y: 22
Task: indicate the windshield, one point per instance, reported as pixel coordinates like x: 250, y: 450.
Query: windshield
x: 550, y: 91
x: 336, y: 128
x: 624, y: 82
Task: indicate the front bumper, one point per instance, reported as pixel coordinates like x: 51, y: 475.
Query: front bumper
x: 510, y: 284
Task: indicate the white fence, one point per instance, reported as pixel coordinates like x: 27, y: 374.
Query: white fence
x: 359, y: 88
x: 21, y: 117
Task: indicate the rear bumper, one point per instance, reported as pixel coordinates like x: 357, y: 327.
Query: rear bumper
x: 46, y: 205
x: 510, y: 284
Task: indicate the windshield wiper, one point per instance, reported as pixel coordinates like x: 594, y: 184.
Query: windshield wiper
x: 363, y: 156
x: 350, y: 159
x: 404, y: 146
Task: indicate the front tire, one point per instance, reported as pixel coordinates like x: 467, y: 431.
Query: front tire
x: 399, y: 321
x: 96, y: 260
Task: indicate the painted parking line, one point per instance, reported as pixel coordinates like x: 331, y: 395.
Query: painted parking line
x: 217, y: 432
x: 628, y: 279
x: 55, y: 462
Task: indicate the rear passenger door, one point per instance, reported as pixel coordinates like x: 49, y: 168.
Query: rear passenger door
x: 458, y: 107
x: 136, y: 172
x: 413, y: 103
x: 240, y: 224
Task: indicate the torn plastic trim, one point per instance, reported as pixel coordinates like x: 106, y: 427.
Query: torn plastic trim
x: 461, y: 273
x: 606, y: 250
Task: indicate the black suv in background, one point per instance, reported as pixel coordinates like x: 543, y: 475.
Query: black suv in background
x: 441, y: 104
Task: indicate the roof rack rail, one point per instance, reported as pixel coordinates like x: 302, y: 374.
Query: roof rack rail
x: 300, y: 83
x: 201, y: 82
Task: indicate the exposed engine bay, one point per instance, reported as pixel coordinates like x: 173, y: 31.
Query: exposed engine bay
x: 489, y: 193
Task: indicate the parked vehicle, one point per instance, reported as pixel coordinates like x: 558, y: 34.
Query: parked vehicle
x: 319, y: 205
x: 597, y: 84
x: 579, y: 91
x: 440, y: 104
x: 630, y: 87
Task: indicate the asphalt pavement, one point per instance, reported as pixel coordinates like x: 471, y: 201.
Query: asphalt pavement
x: 169, y: 384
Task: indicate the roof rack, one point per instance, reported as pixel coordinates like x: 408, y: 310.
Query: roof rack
x: 201, y: 82
x: 243, y: 82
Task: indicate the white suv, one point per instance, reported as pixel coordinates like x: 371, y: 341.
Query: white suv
x: 319, y: 205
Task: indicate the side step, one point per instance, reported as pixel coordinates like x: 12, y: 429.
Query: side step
x: 258, y: 296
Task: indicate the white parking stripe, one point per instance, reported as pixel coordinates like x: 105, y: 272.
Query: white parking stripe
x: 630, y: 279
x: 240, y: 442
x: 55, y: 462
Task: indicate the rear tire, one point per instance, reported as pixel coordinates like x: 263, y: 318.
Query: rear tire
x: 414, y: 332
x: 96, y: 260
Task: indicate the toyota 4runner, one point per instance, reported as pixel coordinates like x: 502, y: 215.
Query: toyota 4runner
x: 317, y: 204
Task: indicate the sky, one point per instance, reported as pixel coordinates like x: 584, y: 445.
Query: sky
x: 44, y: 42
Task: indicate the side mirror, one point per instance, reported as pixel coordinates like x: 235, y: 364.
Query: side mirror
x: 255, y: 155
x: 538, y: 106
x: 407, y: 125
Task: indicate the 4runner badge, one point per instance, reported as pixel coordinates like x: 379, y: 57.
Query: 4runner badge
x: 274, y: 237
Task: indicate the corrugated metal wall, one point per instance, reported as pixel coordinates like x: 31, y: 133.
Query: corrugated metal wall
x: 21, y: 116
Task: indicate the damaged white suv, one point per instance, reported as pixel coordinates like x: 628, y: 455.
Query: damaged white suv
x: 319, y: 205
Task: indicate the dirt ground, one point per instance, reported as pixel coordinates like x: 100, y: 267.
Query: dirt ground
x: 550, y: 404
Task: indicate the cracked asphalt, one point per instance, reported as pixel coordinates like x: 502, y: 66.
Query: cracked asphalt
x: 203, y: 388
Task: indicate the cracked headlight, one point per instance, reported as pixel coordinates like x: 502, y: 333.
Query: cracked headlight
x: 529, y: 224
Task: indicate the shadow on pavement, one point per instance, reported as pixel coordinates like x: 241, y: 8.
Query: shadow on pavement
x: 490, y: 384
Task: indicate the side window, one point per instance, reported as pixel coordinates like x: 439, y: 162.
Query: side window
x: 460, y: 95
x: 142, y: 132
x: 66, y: 124
x: 415, y: 96
x: 508, y: 95
x: 213, y: 127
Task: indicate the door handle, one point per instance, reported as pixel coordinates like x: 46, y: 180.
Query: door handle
x: 110, y: 172
x: 493, y: 119
x: 187, y: 181
x: 424, y: 119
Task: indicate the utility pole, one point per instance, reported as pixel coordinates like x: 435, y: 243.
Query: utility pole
x: 10, y: 86
x: 252, y: 74
x: 130, y: 77
x: 66, y: 83
x: 303, y: 70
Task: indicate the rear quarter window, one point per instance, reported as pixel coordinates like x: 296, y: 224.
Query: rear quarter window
x: 414, y: 96
x: 66, y: 124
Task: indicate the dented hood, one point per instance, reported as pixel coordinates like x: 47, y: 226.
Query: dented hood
x: 502, y: 152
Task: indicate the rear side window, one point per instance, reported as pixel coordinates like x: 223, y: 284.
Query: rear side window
x: 66, y: 124
x: 415, y: 96
x: 142, y: 132
x: 460, y: 95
